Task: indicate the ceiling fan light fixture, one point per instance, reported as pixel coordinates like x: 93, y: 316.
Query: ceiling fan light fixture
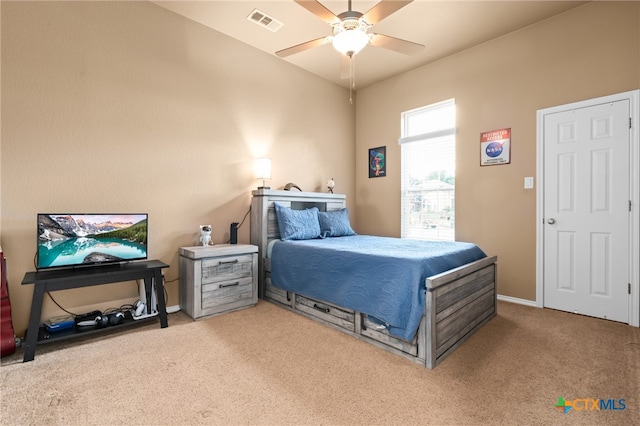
x: 350, y: 36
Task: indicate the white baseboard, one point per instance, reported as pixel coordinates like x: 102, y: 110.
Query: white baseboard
x: 518, y: 301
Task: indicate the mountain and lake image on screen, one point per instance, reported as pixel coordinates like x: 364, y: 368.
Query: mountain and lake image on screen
x: 67, y: 240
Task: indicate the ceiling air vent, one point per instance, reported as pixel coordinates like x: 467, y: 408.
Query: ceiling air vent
x: 264, y: 20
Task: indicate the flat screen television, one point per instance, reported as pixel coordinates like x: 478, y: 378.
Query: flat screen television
x: 67, y: 240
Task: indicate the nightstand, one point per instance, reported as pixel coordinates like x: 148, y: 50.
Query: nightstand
x: 218, y: 279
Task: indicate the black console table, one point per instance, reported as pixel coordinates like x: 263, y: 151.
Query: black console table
x: 52, y: 280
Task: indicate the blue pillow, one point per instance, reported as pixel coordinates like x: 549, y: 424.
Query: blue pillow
x: 335, y: 223
x: 297, y: 224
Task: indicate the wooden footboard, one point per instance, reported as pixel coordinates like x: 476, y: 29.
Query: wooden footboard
x: 457, y: 303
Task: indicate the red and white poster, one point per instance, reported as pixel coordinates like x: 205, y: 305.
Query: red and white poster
x: 495, y: 147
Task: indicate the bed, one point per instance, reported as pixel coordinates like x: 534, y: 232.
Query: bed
x: 429, y: 311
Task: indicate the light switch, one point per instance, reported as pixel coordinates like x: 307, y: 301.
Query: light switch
x: 528, y: 182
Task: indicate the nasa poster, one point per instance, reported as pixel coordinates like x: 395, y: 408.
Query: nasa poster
x: 495, y: 147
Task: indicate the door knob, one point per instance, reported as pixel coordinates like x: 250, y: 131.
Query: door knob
x: 551, y: 221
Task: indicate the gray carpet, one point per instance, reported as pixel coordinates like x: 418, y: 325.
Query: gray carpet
x: 266, y: 365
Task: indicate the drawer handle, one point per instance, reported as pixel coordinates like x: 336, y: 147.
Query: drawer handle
x: 230, y: 285
x: 321, y: 308
x: 229, y: 262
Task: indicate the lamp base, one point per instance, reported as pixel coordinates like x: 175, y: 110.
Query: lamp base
x: 264, y: 187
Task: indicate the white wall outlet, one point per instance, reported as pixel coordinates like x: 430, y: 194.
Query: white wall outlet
x: 528, y: 182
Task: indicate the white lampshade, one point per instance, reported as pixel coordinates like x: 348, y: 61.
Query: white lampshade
x: 350, y: 41
x: 263, y: 170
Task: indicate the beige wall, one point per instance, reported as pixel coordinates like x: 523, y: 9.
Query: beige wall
x: 591, y: 51
x: 127, y: 107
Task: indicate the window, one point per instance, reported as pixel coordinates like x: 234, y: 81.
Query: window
x: 428, y: 150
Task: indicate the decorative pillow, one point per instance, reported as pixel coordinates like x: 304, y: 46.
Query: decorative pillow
x: 335, y: 223
x: 297, y: 224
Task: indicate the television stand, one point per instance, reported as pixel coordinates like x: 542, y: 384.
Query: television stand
x: 63, y: 279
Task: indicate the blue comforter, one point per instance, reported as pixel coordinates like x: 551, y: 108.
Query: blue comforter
x: 381, y: 276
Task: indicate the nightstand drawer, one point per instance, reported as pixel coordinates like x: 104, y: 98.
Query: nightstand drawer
x: 226, y: 292
x: 226, y: 268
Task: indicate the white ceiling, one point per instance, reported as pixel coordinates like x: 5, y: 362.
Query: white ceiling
x: 443, y: 27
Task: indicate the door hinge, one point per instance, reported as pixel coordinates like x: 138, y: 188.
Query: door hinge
x: 629, y: 288
x: 629, y: 122
x: 629, y: 205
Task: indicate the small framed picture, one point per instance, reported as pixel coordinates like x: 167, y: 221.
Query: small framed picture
x: 495, y: 147
x: 377, y: 162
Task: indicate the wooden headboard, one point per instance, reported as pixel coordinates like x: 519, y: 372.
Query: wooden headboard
x: 264, y: 223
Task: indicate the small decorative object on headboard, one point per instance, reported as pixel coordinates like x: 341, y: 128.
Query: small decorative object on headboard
x: 330, y: 185
x: 290, y: 185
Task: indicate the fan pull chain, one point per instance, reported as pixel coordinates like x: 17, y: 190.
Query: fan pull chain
x: 352, y: 77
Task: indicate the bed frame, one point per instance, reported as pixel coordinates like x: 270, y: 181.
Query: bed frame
x: 458, y: 302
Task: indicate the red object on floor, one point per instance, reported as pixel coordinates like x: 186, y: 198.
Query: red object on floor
x: 7, y: 335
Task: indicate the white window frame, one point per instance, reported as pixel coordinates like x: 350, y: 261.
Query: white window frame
x: 440, y: 131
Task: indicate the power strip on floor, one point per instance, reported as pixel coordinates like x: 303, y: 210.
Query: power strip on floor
x: 173, y: 309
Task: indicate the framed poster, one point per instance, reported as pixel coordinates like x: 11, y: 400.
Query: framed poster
x: 377, y: 162
x: 495, y: 147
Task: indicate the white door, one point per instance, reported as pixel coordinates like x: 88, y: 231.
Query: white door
x: 587, y: 210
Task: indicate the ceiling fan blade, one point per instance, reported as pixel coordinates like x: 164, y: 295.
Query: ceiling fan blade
x: 397, y: 44
x: 319, y: 10
x: 302, y: 46
x: 383, y: 9
x: 345, y: 66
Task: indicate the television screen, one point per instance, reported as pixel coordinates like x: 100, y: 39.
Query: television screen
x: 68, y: 240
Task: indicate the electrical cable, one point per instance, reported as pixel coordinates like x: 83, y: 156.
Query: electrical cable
x: 122, y: 308
x: 58, y: 305
x: 245, y: 217
x: 239, y: 225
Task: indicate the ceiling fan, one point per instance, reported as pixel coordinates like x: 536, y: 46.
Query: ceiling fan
x: 350, y: 31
